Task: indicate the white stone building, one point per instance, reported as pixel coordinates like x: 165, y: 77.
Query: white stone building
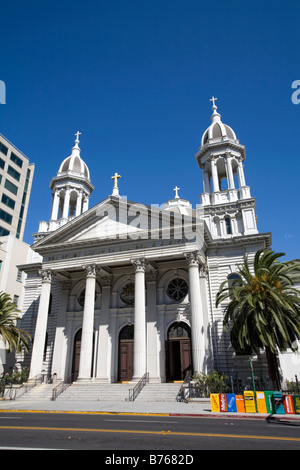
x: 125, y: 288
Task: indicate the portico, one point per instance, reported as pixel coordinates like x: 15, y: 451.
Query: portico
x: 95, y: 299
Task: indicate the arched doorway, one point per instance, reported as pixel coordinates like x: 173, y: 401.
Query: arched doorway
x: 76, y: 355
x: 179, y: 357
x: 126, y: 354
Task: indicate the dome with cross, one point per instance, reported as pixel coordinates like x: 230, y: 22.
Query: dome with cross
x: 74, y: 163
x: 217, y: 131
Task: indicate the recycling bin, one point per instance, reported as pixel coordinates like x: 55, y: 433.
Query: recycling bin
x: 223, y: 402
x: 261, y: 402
x: 289, y: 405
x: 278, y: 403
x: 269, y: 401
x: 296, y: 402
x: 231, y: 402
x: 250, y: 406
x: 215, y: 402
x: 240, y: 403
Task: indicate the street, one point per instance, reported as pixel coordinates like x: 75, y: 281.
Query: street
x: 116, y: 434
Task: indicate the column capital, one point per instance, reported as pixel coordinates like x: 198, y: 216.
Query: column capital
x: 90, y: 270
x: 46, y: 275
x: 193, y: 258
x: 139, y: 264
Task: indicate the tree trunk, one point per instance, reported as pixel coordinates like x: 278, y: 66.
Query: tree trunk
x: 273, y: 369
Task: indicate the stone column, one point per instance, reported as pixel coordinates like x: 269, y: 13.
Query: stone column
x: 85, y: 203
x: 65, y: 214
x: 41, y: 326
x: 230, y: 178
x: 197, y: 324
x: 139, y: 349
x: 86, y: 350
x: 55, y: 204
x: 206, y: 182
x: 214, y: 172
x: 60, y: 343
x: 241, y: 176
x: 78, y: 203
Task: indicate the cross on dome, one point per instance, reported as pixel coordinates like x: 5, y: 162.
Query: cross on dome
x: 77, y: 137
x: 213, y: 99
x: 176, y: 189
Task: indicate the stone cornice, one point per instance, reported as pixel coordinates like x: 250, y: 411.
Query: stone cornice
x: 243, y: 240
x: 218, y: 145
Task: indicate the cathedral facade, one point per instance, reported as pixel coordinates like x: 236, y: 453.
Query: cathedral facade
x: 121, y: 289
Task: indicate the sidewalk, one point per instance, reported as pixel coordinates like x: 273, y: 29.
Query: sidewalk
x: 199, y: 408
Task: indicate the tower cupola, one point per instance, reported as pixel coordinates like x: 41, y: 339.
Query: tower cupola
x: 226, y: 198
x: 71, y: 189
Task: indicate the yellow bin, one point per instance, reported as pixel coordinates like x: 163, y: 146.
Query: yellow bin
x: 249, y: 401
x: 261, y: 402
x: 215, y: 402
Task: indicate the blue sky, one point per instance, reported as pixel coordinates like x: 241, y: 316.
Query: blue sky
x: 135, y: 78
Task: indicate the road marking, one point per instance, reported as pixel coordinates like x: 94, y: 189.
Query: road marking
x: 27, y: 448
x: 140, y: 421
x: 10, y: 417
x: 160, y: 433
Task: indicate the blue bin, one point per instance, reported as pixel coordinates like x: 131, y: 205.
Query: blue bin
x: 231, y: 402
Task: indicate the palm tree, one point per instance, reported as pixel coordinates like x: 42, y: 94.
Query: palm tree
x: 15, y: 337
x: 264, y: 308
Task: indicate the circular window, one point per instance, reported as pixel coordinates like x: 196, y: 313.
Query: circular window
x: 177, y: 289
x: 127, y: 294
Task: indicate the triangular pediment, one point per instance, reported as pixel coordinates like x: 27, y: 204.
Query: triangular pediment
x: 110, y: 220
x: 102, y: 222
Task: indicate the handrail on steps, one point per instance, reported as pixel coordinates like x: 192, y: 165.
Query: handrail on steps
x: 181, y: 396
x: 14, y: 393
x: 61, y: 387
x: 133, y: 392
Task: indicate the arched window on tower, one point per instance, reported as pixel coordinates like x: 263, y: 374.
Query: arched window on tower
x: 228, y: 229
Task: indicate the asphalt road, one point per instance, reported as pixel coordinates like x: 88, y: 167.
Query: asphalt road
x: 117, y: 435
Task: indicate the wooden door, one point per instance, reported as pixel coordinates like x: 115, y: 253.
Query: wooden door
x: 126, y: 360
x: 76, y: 355
x: 179, y: 357
x: 186, y: 357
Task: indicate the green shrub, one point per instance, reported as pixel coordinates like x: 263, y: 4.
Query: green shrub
x: 213, y: 382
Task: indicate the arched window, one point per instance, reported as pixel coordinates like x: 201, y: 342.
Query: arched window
x: 233, y: 280
x: 228, y: 229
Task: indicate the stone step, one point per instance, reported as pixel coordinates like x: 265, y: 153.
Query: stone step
x: 94, y: 391
x: 166, y: 392
x: 40, y: 392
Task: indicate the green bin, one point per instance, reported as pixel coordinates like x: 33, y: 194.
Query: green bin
x: 269, y: 402
x: 296, y: 401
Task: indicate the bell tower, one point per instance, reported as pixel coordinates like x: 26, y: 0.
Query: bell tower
x: 71, y: 189
x: 229, y: 209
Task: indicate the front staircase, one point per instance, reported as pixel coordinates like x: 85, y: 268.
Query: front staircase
x: 113, y: 392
